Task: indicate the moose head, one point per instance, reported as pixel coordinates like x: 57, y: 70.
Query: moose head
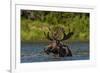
x: 57, y: 47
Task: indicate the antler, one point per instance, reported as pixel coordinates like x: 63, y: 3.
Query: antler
x: 66, y: 36
x: 47, y: 36
x: 53, y: 35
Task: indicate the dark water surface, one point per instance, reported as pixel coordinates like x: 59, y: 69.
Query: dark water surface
x: 33, y: 52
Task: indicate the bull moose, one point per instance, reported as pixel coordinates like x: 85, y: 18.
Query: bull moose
x: 56, y: 46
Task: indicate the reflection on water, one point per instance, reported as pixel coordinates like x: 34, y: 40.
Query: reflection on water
x: 33, y: 52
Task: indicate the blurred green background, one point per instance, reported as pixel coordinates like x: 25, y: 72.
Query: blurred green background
x: 35, y: 23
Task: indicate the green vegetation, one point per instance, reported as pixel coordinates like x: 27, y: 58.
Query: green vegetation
x: 35, y: 23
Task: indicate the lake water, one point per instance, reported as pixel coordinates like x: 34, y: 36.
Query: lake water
x: 33, y: 52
